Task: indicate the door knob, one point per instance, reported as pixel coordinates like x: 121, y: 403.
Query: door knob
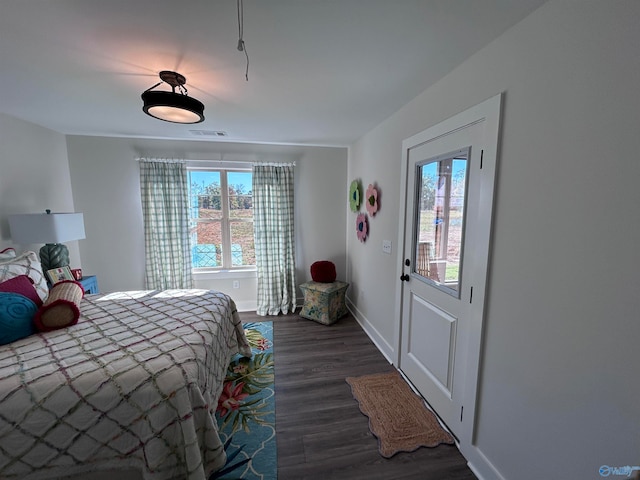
x: 405, y: 277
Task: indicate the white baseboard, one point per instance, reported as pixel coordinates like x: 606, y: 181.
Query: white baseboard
x: 247, y: 306
x: 480, y: 465
x: 385, y: 348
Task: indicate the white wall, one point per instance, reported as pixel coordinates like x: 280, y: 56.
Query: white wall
x: 558, y: 390
x: 34, y: 176
x: 106, y: 187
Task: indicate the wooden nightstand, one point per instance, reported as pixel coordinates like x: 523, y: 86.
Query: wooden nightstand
x: 90, y: 284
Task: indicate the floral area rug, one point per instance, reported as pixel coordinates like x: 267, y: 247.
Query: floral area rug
x: 246, y: 411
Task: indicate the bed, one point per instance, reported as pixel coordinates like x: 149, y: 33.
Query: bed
x: 133, y: 386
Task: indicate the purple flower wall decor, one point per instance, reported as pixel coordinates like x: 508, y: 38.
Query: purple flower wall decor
x: 371, y: 200
x: 361, y: 227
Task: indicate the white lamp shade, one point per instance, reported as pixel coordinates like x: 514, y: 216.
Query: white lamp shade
x: 46, y: 227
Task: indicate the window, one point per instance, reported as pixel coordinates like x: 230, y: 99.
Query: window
x: 221, y: 218
x: 440, y: 225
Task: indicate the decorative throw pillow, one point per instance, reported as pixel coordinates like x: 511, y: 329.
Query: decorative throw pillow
x: 7, y: 254
x: 25, y: 264
x: 323, y: 271
x: 61, y: 308
x: 22, y: 285
x: 16, y: 317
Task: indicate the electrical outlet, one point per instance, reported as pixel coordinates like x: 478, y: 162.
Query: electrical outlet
x: 236, y: 284
x: 386, y: 246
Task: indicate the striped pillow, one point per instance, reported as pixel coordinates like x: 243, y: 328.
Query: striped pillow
x: 26, y: 264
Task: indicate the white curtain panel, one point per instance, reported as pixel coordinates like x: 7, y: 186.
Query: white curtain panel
x: 274, y: 238
x: 165, y: 208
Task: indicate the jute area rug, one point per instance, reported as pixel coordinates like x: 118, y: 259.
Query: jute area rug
x: 397, y: 416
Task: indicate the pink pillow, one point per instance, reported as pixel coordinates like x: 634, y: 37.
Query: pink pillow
x: 26, y: 264
x: 23, y: 285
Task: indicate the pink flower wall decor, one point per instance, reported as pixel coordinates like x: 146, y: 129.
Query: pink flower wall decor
x: 372, y: 200
x: 361, y: 227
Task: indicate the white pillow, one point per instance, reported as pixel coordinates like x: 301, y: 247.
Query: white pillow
x: 26, y: 264
x: 7, y: 254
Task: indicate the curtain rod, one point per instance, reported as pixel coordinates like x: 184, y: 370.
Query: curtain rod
x: 221, y: 162
x: 276, y: 164
x: 234, y: 158
x: 160, y: 160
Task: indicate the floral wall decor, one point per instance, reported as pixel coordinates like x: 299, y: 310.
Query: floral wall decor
x: 371, y: 200
x: 354, y: 196
x: 361, y: 227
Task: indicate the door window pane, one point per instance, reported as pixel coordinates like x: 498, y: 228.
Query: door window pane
x: 439, y: 232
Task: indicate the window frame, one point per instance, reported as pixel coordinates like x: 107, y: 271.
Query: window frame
x: 225, y: 221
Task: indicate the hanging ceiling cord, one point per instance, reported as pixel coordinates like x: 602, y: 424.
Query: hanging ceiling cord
x: 241, y: 45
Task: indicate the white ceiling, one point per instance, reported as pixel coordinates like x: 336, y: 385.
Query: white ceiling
x: 322, y: 72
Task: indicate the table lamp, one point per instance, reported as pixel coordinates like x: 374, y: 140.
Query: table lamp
x: 51, y: 229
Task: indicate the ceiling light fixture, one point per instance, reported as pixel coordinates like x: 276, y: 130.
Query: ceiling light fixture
x: 176, y: 107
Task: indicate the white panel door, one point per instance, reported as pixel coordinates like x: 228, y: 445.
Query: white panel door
x: 449, y: 197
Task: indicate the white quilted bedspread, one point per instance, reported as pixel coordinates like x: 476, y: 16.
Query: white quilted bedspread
x: 133, y: 385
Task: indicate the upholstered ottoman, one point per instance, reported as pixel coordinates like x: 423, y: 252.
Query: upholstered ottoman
x: 324, y: 302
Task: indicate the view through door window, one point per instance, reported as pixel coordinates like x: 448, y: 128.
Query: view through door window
x: 441, y: 189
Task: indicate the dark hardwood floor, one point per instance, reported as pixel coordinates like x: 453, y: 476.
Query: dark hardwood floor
x: 320, y: 431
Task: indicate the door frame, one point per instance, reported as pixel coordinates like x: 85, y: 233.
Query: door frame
x: 487, y: 112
